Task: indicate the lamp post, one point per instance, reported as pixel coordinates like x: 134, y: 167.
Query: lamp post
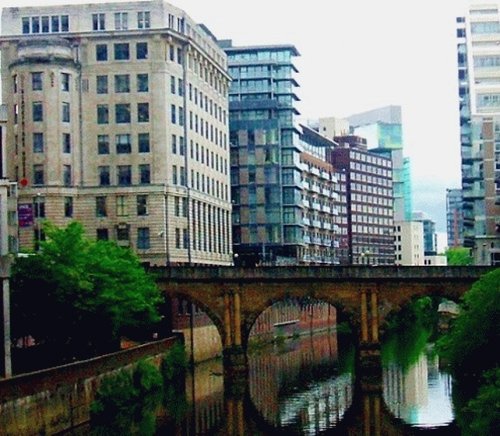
x: 38, y: 228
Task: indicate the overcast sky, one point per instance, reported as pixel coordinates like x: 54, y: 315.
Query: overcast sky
x: 357, y: 55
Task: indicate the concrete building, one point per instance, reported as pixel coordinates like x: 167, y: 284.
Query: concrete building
x: 409, y: 240
x: 382, y: 128
x: 118, y: 118
x: 367, y: 180
x: 478, y: 35
x: 454, y: 218
x: 265, y: 154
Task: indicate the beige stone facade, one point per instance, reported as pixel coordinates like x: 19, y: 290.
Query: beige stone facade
x: 118, y: 118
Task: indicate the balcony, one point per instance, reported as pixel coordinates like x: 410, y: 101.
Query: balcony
x: 307, y: 239
x: 316, y: 206
x: 306, y: 221
x: 316, y: 223
x: 473, y: 193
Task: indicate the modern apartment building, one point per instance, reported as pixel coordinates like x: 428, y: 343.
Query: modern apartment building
x: 454, y: 217
x: 118, y: 118
x: 265, y: 154
x: 369, y: 201
x: 321, y: 200
x: 478, y: 46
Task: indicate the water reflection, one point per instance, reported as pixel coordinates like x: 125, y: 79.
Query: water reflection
x: 296, y: 386
x: 415, y: 388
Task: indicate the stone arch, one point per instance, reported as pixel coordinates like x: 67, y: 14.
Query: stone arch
x: 214, y: 317
x: 346, y: 311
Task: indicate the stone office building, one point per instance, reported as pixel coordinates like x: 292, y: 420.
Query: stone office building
x: 118, y: 118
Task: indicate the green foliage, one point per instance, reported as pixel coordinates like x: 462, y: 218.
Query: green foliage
x: 470, y: 345
x: 174, y: 363
x: 80, y: 294
x: 458, y: 256
x: 420, y: 313
x: 125, y: 404
x: 481, y: 415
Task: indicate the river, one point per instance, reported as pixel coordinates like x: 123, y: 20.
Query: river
x: 306, y: 386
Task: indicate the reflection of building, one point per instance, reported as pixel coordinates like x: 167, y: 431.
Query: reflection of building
x: 280, y: 391
x: 479, y: 101
x: 454, y: 217
x: 119, y: 120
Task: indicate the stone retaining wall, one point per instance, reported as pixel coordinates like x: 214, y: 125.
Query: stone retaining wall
x: 56, y: 399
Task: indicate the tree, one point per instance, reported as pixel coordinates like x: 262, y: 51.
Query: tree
x: 78, y: 295
x: 457, y: 256
x: 470, y: 345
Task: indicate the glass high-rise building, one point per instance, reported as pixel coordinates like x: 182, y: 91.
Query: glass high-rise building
x: 265, y: 154
x: 478, y: 47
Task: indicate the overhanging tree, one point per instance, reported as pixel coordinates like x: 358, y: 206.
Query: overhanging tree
x: 78, y: 295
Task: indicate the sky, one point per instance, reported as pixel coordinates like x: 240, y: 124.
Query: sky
x: 358, y: 55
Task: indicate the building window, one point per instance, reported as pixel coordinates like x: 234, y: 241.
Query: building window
x: 101, y: 52
x: 174, y: 174
x: 37, y: 142
x: 65, y: 112
x: 181, y: 116
x: 142, y: 205
x: 103, y: 173
x: 124, y: 175
x: 35, y: 24
x: 103, y: 144
x: 177, y: 238
x: 122, y: 83
x: 185, y: 239
x: 172, y: 84
x: 122, y: 51
x: 182, y: 146
x: 100, y: 206
x: 173, y: 116
x: 26, y: 25
x: 123, y: 143
x: 142, y: 112
x: 36, y: 81
x: 143, y: 238
x: 102, y: 114
x: 122, y: 233
x: 141, y: 49
x: 144, y: 174
x: 64, y: 23
x: 177, y: 207
x: 54, y: 22
x: 121, y: 20
x: 39, y: 207
x: 102, y: 234
x: 66, y: 143
x: 37, y: 111
x: 121, y: 205
x: 67, y: 175
x: 38, y: 176
x: 98, y: 22
x: 180, y: 87
x: 143, y: 142
x: 68, y: 207
x: 142, y: 83
x: 174, y: 144
x: 122, y: 113
x: 102, y: 84
x: 65, y: 77
x: 143, y: 20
